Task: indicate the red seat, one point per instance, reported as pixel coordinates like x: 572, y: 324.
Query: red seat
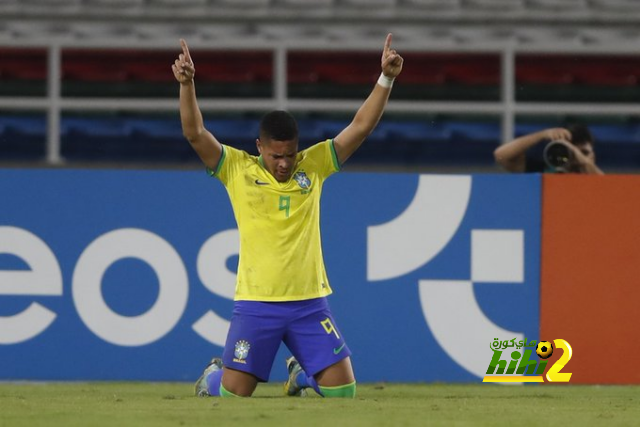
x: 234, y: 67
x: 544, y: 70
x: 333, y: 67
x: 425, y: 69
x: 597, y: 70
x: 147, y: 66
x: 609, y: 71
x: 468, y: 69
x: 92, y: 66
x: 23, y: 64
x: 155, y: 66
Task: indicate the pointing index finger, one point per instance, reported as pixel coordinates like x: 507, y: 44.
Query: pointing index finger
x: 185, y: 50
x: 387, y: 42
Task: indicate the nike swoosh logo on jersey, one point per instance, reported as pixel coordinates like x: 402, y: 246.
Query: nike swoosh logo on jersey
x: 339, y: 349
x: 258, y: 182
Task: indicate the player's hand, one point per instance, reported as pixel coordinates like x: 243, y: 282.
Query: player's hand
x: 391, y: 61
x: 558, y: 134
x: 183, y: 68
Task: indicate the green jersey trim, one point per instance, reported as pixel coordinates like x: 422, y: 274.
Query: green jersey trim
x: 215, y: 172
x: 334, y: 156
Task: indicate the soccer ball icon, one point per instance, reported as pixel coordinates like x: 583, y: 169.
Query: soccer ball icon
x: 544, y: 349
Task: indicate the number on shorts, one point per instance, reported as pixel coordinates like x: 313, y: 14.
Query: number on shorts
x: 328, y: 326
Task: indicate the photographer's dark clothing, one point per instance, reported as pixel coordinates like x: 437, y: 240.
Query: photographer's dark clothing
x: 536, y: 164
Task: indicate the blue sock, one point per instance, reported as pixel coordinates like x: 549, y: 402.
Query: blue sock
x: 305, y: 381
x: 213, y: 382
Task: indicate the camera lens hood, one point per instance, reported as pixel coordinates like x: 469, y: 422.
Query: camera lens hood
x: 557, y: 156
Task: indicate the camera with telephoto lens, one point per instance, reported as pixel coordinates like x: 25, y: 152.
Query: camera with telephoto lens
x: 558, y: 156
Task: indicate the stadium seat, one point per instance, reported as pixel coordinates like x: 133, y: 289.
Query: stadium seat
x: 9, y: 6
x: 27, y: 125
x: 325, y: 4
x: 93, y: 66
x: 155, y: 127
x: 613, y: 71
x: 521, y: 129
x: 23, y: 72
x: 493, y: 5
x: 417, y: 132
x: 333, y: 67
x: 238, y: 67
x: 614, y: 5
x: 122, y: 138
x: 618, y: 37
x: 615, y: 134
x: 474, y: 131
x: 230, y: 131
x: 50, y: 4
x: 431, y: 4
x: 22, y: 137
x: 544, y: 69
x: 366, y: 3
x: 330, y: 128
x: 605, y: 131
x: 578, y: 78
x: 89, y: 4
x: 147, y: 73
x: 470, y: 70
x: 23, y: 64
x: 91, y: 127
x: 517, y: 12
x: 151, y: 67
x: 242, y: 3
x: 564, y: 6
x: 104, y: 31
x: 177, y: 3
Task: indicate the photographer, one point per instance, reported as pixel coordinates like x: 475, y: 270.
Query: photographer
x: 569, y: 150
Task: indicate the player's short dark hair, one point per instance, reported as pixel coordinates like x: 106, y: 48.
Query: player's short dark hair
x: 278, y: 125
x: 580, y: 134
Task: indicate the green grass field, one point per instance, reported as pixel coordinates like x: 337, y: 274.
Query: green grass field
x: 172, y: 404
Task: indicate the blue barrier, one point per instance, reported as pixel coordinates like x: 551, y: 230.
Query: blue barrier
x: 126, y: 275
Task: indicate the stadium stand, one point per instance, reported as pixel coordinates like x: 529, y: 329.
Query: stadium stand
x: 22, y: 136
x: 23, y: 72
x: 533, y: 11
x: 435, y: 140
x: 578, y: 78
x: 116, y: 72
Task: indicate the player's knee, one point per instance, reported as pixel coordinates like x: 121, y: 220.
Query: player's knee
x: 238, y: 384
x: 346, y: 390
x: 224, y: 392
x: 338, y: 374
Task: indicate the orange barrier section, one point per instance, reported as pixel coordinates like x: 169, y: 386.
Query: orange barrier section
x: 590, y: 278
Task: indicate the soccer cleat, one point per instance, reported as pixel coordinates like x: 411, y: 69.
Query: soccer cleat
x: 291, y: 387
x: 201, y: 384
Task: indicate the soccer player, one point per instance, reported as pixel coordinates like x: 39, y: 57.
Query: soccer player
x: 281, y: 284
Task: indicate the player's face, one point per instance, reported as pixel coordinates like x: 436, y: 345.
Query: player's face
x: 279, y: 157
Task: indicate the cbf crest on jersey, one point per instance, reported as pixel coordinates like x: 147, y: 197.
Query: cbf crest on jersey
x: 302, y: 179
x: 242, y: 351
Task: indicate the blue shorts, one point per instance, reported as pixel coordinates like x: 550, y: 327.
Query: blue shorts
x: 306, y: 327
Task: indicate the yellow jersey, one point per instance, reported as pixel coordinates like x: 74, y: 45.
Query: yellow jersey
x: 279, y: 223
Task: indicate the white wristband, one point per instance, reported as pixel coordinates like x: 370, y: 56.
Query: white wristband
x: 385, y: 81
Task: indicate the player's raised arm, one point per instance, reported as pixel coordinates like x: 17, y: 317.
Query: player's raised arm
x: 368, y: 116
x: 202, y: 141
